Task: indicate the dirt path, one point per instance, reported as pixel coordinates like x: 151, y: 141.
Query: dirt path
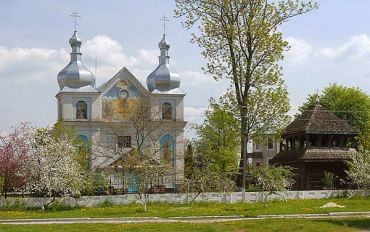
x: 195, y: 219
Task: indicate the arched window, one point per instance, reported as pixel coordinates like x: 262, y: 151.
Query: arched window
x: 167, y: 143
x: 81, y: 110
x: 83, y: 139
x: 166, y: 111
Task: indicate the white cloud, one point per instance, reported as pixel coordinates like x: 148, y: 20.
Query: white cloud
x: 300, y: 51
x: 29, y: 64
x: 111, y: 57
x: 195, y: 78
x: 357, y: 47
x: 194, y: 114
x: 108, y: 51
x: 308, y: 68
x: 39, y: 64
x: 148, y: 56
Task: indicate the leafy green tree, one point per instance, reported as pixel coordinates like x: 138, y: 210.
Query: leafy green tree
x: 349, y: 103
x: 60, y: 131
x: 218, y: 141
x: 189, y: 161
x: 204, y: 179
x: 94, y: 183
x: 241, y: 42
x: 273, y: 179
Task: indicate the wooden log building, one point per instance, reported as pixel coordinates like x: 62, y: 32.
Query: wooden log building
x: 314, y: 143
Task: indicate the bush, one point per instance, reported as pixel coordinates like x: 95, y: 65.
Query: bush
x: 106, y: 203
x: 273, y: 179
x: 93, y: 184
x: 328, y: 181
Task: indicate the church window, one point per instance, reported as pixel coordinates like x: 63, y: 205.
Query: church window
x: 166, y: 111
x: 124, y: 141
x: 81, y: 110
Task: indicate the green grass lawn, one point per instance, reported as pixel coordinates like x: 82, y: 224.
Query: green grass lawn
x: 326, y: 225
x: 175, y: 210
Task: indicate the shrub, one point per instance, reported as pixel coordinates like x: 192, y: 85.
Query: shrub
x: 273, y: 179
x: 106, y: 203
x: 93, y: 184
x: 328, y: 181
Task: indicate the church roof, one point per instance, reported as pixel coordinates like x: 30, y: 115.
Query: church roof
x: 163, y: 78
x: 314, y: 154
x: 319, y: 121
x: 177, y: 91
x: 75, y: 74
x: 123, y: 73
x: 85, y: 89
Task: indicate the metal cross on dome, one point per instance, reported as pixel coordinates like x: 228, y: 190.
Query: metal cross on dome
x: 164, y: 19
x: 75, y: 15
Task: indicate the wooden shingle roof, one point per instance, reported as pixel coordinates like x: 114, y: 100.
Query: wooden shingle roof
x: 314, y: 154
x: 319, y: 121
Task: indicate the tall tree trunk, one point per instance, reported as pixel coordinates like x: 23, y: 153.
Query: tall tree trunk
x: 5, y: 188
x: 241, y: 182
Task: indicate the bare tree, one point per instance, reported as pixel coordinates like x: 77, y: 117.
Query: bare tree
x: 135, y: 126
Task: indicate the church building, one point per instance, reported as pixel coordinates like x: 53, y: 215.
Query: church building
x: 315, y: 143
x: 92, y: 111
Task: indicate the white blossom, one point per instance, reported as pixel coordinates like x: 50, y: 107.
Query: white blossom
x: 55, y: 170
x: 359, y: 169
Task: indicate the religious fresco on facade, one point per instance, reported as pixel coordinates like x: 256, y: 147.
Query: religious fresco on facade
x: 166, y: 111
x: 167, y: 144
x: 121, y: 93
x: 81, y: 110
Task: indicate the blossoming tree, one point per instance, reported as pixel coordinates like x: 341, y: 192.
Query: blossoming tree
x: 15, y: 149
x: 359, y: 169
x: 54, y: 167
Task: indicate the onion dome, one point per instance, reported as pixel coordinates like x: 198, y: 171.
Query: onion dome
x: 163, y: 78
x: 75, y: 74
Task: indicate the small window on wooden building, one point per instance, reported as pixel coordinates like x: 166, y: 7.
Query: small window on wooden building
x: 124, y: 141
x: 270, y: 143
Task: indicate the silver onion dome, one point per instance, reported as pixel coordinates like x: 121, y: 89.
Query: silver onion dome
x: 163, y: 78
x: 75, y: 74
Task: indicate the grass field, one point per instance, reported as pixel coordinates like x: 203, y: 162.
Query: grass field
x: 197, y: 209
x: 326, y: 225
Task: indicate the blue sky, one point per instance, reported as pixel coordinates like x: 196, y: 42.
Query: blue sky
x: 329, y: 45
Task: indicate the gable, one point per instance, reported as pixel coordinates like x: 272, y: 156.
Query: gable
x: 128, y: 81
x: 123, y: 86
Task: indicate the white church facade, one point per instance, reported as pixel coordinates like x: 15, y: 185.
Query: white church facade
x: 91, y: 111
